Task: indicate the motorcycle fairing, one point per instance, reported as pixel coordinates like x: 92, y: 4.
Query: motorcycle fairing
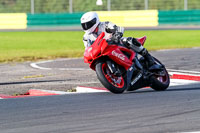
x: 115, y: 53
x: 92, y: 51
x: 101, y: 48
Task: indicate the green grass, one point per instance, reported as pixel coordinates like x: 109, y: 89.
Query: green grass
x: 169, y: 39
x: 23, y: 46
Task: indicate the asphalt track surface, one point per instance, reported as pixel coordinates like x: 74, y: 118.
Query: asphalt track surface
x: 141, y: 111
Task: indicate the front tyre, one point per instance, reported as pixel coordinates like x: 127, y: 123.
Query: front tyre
x: 160, y: 81
x: 115, y: 84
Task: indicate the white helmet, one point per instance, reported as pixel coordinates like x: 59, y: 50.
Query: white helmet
x: 89, y: 21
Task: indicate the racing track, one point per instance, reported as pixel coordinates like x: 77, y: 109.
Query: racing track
x: 142, y: 111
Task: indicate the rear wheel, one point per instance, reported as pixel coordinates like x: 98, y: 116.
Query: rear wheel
x: 115, y: 84
x: 160, y: 80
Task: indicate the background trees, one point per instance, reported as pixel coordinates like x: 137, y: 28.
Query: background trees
x: 62, y: 6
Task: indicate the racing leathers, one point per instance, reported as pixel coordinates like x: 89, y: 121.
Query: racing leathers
x: 110, y: 30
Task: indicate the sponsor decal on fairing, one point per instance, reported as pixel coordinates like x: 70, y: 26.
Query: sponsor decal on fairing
x: 118, y: 55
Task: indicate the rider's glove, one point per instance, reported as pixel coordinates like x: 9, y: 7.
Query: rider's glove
x: 117, y: 36
x: 110, y: 27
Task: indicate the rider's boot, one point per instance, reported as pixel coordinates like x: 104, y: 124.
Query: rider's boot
x: 151, y: 62
x: 132, y: 43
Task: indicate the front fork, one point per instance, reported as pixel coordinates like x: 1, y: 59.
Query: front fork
x: 136, y: 71
x: 113, y: 68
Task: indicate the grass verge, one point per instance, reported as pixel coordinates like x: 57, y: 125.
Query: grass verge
x: 24, y: 46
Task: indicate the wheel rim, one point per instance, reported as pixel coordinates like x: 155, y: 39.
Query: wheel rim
x: 113, y: 79
x: 163, y: 79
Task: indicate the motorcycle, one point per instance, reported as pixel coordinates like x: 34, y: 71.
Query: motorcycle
x: 120, y: 69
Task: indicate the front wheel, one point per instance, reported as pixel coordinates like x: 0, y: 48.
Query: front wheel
x: 160, y: 81
x: 115, y: 84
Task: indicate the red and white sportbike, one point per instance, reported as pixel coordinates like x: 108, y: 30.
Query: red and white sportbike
x: 120, y: 69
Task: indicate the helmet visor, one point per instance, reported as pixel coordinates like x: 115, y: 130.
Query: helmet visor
x: 89, y: 24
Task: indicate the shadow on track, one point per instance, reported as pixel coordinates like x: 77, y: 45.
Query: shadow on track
x: 191, y: 87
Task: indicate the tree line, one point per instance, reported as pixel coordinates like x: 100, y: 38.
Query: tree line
x: 62, y: 6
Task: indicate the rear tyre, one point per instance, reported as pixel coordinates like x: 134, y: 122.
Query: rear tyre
x: 115, y: 84
x: 160, y: 83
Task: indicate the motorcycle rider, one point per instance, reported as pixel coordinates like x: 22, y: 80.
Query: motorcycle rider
x: 93, y: 28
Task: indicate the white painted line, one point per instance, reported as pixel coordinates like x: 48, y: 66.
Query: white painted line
x: 173, y: 82
x: 176, y: 82
x: 78, y: 90
x: 82, y: 89
x: 55, y: 92
x: 183, y: 71
x: 36, y: 65
x: 89, y: 89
